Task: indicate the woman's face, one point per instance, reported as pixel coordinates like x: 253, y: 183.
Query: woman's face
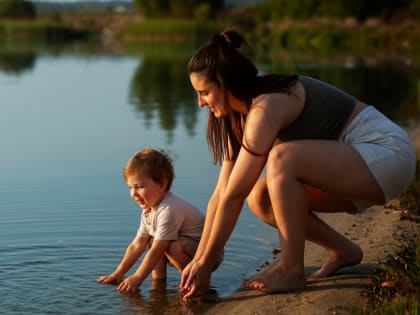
x: 209, y: 94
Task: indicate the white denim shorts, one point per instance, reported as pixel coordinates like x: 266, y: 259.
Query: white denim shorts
x: 386, y: 149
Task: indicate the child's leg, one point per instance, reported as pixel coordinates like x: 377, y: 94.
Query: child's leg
x: 180, y: 252
x: 159, y: 272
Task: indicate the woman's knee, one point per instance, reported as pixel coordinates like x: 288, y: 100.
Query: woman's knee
x: 281, y: 161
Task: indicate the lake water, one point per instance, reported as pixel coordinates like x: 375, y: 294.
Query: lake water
x: 70, y: 119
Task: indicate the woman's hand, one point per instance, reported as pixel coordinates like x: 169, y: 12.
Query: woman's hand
x: 195, y: 280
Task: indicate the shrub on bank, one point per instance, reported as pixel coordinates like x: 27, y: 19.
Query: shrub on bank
x: 17, y: 9
x: 30, y: 31
x: 170, y: 29
x: 396, y: 287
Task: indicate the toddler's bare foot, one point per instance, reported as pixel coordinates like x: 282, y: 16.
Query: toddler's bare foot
x: 276, y: 279
x: 337, y: 260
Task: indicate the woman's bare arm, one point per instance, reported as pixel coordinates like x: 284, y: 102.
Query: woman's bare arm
x: 272, y: 113
x: 213, y: 204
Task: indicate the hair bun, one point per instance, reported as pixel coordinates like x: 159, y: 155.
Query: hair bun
x: 233, y: 38
x: 220, y: 40
x: 228, y: 38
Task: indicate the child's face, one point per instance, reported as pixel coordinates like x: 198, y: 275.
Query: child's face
x: 145, y: 191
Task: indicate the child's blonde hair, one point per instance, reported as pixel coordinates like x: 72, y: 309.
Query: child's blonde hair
x: 153, y: 163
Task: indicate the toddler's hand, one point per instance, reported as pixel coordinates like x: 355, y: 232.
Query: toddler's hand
x: 129, y: 285
x: 110, y: 279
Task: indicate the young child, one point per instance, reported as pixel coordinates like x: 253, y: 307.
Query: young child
x: 170, y: 226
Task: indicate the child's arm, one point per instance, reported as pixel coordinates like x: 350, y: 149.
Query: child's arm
x: 132, y: 253
x: 150, y: 261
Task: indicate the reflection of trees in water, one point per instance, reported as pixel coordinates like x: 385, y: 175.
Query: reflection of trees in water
x: 389, y: 85
x: 161, y: 87
x: 386, y: 86
x: 161, y: 91
x: 16, y: 62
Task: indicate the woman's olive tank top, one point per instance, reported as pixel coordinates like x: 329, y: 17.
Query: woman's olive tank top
x: 324, y: 115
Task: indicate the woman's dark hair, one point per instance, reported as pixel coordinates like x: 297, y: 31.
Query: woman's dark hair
x: 220, y: 62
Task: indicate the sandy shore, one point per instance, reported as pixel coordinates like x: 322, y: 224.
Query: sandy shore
x: 343, y: 293
x: 374, y: 231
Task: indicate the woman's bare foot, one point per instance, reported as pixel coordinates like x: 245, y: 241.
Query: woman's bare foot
x: 337, y: 260
x: 276, y: 279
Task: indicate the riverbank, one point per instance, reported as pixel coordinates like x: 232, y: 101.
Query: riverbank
x: 40, y: 31
x: 319, y: 34
x: 377, y: 231
x: 346, y: 292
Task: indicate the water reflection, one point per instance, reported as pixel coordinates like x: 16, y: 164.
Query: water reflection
x: 16, y: 62
x: 161, y: 94
x: 160, y: 89
x: 160, y: 298
x: 64, y: 210
x: 388, y: 85
x: 164, y: 300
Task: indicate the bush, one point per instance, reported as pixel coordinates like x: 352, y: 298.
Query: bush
x: 396, y: 286
x: 170, y: 29
x: 17, y: 9
x: 202, y: 11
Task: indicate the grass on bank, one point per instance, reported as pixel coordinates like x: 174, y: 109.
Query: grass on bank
x: 410, y: 201
x: 318, y: 34
x: 38, y: 30
x: 170, y: 29
x: 326, y: 34
x: 396, y: 285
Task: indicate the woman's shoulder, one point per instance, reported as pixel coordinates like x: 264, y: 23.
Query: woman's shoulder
x: 280, y: 100
x: 277, y: 109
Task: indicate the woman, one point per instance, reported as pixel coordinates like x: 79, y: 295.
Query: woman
x: 323, y: 150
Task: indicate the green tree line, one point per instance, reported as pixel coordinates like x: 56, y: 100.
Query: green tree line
x: 17, y: 9
x: 266, y: 10
x: 178, y: 8
x: 276, y: 9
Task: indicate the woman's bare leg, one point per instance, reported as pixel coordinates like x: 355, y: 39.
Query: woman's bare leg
x: 333, y: 167
x: 342, y: 252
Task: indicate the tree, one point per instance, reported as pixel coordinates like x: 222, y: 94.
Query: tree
x: 361, y: 9
x: 177, y: 8
x: 152, y: 8
x: 17, y: 9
